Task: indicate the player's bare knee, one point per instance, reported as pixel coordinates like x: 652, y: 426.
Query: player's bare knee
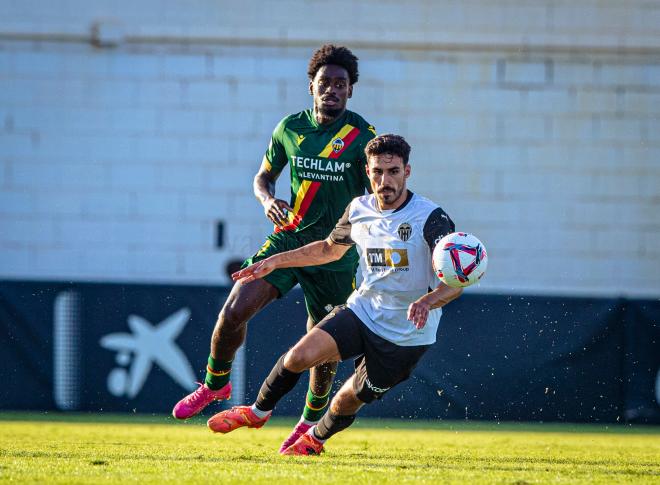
x: 298, y: 359
x: 232, y: 318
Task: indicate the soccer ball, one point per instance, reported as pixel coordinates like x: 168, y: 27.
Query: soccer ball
x: 459, y: 259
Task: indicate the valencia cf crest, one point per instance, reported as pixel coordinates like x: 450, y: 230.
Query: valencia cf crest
x: 337, y: 145
x: 404, y: 231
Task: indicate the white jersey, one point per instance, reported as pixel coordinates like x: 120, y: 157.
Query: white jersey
x: 395, y: 248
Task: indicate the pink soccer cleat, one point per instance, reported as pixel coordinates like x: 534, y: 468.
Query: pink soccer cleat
x: 300, y: 429
x: 234, y: 418
x: 307, y: 444
x: 196, y: 401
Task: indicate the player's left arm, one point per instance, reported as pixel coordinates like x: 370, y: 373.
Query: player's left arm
x: 418, y: 311
x: 438, y: 225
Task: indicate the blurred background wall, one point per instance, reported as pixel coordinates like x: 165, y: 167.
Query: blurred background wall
x: 128, y: 130
x: 130, y: 133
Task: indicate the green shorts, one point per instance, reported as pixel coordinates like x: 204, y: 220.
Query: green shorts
x: 323, y: 288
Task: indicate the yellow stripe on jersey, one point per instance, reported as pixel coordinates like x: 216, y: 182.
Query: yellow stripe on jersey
x: 300, y: 196
x: 340, y: 134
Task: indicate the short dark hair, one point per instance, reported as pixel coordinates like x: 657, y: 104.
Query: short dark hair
x: 388, y: 143
x: 337, y: 55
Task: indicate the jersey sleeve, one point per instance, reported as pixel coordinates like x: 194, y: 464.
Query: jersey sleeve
x: 341, y: 234
x: 275, y: 158
x: 437, y: 226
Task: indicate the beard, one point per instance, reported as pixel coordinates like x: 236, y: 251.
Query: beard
x: 389, y: 196
x: 329, y: 112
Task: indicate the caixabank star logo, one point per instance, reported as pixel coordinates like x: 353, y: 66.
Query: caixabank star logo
x: 387, y: 259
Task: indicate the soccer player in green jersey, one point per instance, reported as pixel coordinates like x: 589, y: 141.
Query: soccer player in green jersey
x: 324, y: 149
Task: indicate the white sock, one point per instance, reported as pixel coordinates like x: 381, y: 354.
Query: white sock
x: 307, y: 421
x: 311, y: 431
x: 259, y: 413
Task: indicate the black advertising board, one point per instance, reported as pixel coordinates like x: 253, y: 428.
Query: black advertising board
x: 140, y: 348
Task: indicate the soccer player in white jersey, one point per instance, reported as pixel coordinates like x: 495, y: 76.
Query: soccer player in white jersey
x: 387, y: 323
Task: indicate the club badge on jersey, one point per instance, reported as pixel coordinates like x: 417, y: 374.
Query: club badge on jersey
x: 404, y: 231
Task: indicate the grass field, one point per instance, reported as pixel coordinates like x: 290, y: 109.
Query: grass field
x: 59, y: 448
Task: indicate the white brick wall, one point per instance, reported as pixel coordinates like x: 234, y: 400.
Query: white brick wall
x: 535, y: 125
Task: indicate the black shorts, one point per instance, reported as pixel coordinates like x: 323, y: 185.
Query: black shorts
x: 379, y: 364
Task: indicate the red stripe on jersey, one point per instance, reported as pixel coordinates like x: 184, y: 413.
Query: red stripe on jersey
x: 304, y: 206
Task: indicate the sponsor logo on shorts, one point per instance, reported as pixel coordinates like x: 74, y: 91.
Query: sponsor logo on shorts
x: 386, y: 259
x: 379, y: 390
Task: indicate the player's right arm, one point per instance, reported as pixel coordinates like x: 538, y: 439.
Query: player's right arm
x: 264, y: 181
x: 313, y: 254
x: 264, y: 190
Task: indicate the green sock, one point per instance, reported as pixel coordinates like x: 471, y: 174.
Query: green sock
x: 315, y: 406
x: 217, y: 373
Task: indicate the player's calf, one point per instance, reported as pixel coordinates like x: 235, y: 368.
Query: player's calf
x: 331, y: 424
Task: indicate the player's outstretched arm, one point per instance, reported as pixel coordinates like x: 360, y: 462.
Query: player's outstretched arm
x: 313, y: 254
x: 418, y: 311
x: 264, y: 190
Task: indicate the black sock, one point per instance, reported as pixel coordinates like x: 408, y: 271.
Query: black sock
x: 331, y: 424
x: 277, y: 384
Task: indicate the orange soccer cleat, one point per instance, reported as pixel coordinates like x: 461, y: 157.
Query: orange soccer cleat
x: 307, y: 444
x: 300, y: 429
x: 234, y: 418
